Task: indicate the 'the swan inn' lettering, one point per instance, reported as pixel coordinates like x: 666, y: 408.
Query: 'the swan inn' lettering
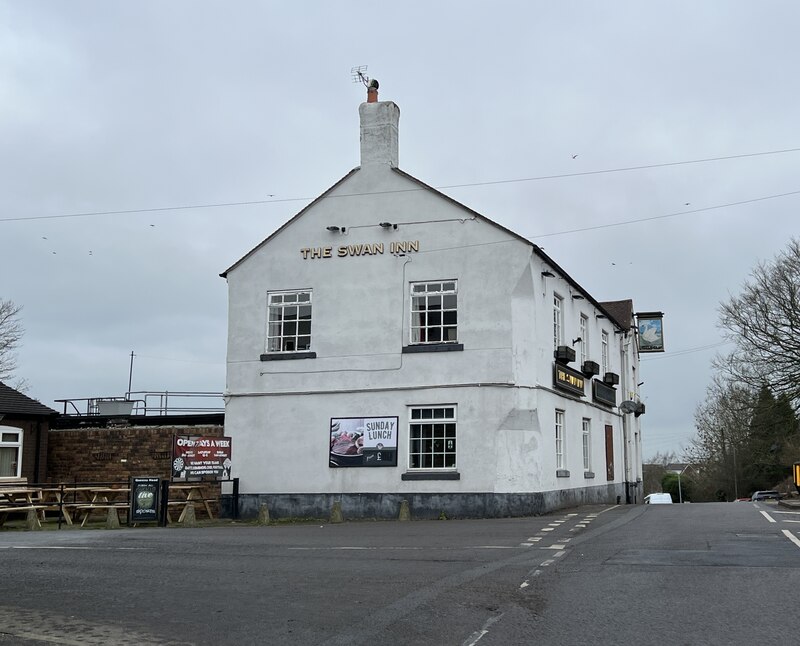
x: 361, y: 249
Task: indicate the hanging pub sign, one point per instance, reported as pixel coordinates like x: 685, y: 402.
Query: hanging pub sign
x: 568, y: 379
x: 363, y: 442
x: 603, y: 394
x: 651, y: 331
x: 196, y: 456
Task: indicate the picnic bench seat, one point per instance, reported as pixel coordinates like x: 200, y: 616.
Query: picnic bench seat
x: 89, y: 507
x: 5, y: 510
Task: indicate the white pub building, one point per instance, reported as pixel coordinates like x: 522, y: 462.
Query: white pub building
x: 390, y: 344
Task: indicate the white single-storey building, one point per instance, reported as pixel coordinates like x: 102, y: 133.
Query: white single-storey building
x: 389, y: 343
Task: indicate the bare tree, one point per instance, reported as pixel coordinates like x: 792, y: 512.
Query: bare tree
x: 721, y: 446
x: 10, y: 336
x: 764, y: 323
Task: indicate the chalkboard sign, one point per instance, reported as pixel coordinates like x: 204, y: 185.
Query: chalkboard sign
x: 144, y: 499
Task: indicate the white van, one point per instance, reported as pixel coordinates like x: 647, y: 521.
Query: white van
x: 658, y: 499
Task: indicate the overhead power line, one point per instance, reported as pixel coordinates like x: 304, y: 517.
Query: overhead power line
x: 216, y: 205
x: 668, y: 215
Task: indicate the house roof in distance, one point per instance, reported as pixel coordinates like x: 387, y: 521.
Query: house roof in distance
x: 14, y: 403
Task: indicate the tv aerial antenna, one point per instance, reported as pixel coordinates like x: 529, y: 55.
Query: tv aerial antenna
x: 359, y: 75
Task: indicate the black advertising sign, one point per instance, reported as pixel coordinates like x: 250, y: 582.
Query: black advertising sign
x: 568, y: 379
x: 200, y: 456
x: 144, y: 499
x: 604, y: 394
x: 363, y: 442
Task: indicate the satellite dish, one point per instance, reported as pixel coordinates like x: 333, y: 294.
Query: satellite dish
x: 629, y: 406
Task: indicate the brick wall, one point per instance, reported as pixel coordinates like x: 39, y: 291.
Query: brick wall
x: 114, y: 454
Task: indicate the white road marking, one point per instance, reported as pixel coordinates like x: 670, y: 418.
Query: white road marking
x: 68, y: 547
x: 791, y: 537
x: 547, y: 529
x: 477, y: 636
x: 554, y: 547
x: 526, y: 544
x: 768, y: 517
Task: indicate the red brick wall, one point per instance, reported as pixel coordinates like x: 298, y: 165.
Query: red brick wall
x: 114, y: 454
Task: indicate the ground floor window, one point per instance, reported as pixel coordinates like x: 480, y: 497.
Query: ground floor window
x: 587, y: 444
x: 560, y: 458
x: 10, y: 452
x: 432, y: 437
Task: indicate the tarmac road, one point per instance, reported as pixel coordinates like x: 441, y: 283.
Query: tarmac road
x: 588, y: 575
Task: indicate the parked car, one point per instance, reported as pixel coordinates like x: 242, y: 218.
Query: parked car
x: 765, y: 495
x: 658, y: 499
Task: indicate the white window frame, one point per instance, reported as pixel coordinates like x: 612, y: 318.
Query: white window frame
x: 558, y: 321
x: 586, y: 427
x: 433, y: 437
x: 560, y: 440
x: 604, y: 352
x: 280, y: 319
x: 433, y: 312
x: 7, y: 443
x: 583, y: 332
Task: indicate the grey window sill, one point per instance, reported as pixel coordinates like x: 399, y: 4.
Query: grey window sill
x: 431, y: 475
x: 562, y: 473
x: 284, y: 356
x: 433, y: 347
x: 588, y: 474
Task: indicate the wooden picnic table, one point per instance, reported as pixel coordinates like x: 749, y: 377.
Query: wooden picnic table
x: 101, y: 498
x: 15, y: 499
x: 193, y: 492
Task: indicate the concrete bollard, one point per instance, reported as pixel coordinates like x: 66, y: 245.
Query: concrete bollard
x: 263, y: 514
x: 405, y: 512
x: 112, y: 519
x: 336, y: 512
x: 190, y: 519
x: 32, y: 520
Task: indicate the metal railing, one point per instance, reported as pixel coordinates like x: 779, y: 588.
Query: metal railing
x: 146, y: 402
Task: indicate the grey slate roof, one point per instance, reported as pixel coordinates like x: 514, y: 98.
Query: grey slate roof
x: 14, y: 403
x: 620, y: 311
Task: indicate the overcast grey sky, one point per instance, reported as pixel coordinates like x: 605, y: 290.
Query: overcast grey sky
x: 112, y: 106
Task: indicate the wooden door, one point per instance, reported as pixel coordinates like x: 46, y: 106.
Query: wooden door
x: 609, y: 452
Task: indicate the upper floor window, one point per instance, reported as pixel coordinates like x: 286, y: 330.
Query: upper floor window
x: 558, y: 321
x: 583, y: 333
x: 289, y: 321
x: 603, y: 352
x: 434, y: 312
x: 10, y: 452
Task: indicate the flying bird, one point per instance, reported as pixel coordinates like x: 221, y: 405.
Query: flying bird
x: 574, y: 156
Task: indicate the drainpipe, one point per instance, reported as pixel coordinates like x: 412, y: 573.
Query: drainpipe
x: 624, y: 341
x: 36, y: 475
